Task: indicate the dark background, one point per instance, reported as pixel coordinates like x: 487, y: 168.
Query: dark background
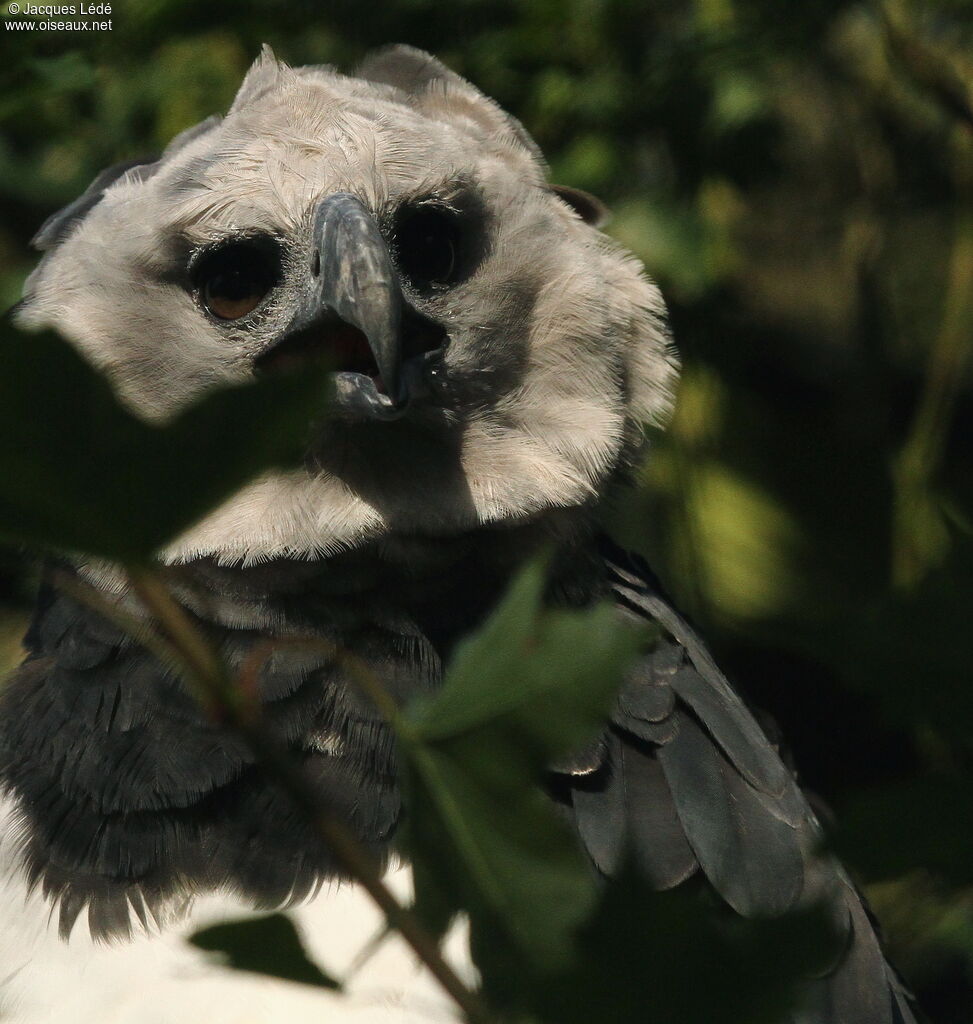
x: 798, y: 178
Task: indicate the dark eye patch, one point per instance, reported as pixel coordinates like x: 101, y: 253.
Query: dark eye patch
x: 433, y: 245
x: 232, y: 278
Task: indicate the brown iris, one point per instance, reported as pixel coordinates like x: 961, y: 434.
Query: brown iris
x: 233, y: 278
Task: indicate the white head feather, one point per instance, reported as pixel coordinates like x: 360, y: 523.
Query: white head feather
x: 557, y: 345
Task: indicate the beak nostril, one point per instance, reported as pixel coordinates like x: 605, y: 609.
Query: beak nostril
x: 316, y: 264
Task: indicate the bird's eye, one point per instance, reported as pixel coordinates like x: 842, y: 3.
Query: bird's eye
x: 233, y: 278
x: 427, y: 242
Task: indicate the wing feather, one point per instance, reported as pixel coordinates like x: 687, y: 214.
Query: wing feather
x: 751, y: 857
x: 687, y: 778
x: 659, y: 841
x: 857, y: 991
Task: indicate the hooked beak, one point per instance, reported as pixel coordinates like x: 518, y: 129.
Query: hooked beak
x: 353, y: 314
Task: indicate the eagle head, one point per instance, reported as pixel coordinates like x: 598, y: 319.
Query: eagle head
x: 493, y: 354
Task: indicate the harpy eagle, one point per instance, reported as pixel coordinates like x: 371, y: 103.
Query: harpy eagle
x: 495, y: 359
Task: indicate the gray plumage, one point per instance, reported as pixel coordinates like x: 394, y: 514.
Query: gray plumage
x: 497, y: 357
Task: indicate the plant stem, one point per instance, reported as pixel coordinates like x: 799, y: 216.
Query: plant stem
x: 240, y: 711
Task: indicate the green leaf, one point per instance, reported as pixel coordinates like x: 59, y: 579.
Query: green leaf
x: 534, y: 684
x: 498, y: 852
x: 656, y: 958
x: 267, y: 945
x: 557, y: 669
x: 79, y: 472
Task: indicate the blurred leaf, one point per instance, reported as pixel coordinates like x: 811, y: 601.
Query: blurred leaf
x: 72, y: 70
x: 918, y: 911
x: 12, y: 629
x: 672, y: 240
x: 531, y: 685
x: 913, y: 651
x: 193, y: 77
x: 921, y: 823
x: 268, y: 945
x: 658, y: 958
x: 79, y: 472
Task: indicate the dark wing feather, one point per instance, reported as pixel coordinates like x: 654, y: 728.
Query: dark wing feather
x: 648, y: 695
x: 599, y: 808
x: 586, y: 760
x: 858, y: 990
x: 704, y: 688
x: 658, y: 838
x: 751, y: 857
x: 628, y: 802
x: 687, y: 779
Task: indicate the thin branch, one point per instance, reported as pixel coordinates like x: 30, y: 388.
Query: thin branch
x: 930, y: 69
x: 205, y: 672
x: 135, y: 627
x: 920, y: 457
x: 361, y: 675
x: 240, y: 711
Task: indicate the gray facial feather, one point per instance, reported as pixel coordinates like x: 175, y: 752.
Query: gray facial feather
x: 557, y: 348
x: 55, y: 229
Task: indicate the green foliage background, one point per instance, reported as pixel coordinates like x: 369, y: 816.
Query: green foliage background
x: 798, y: 179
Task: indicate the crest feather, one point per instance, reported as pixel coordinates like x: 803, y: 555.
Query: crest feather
x: 264, y: 74
x: 419, y: 74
